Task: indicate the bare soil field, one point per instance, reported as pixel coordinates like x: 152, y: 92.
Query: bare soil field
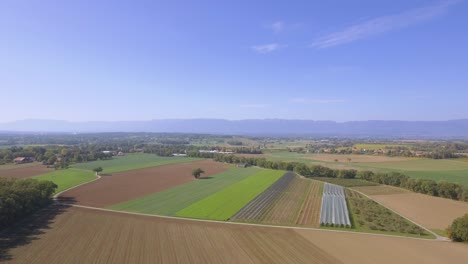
x: 355, y: 158
x: 23, y: 170
x: 123, y: 186
x: 380, y: 189
x: 371, y: 249
x: 285, y: 209
x: 431, y: 212
x: 310, y: 211
x: 88, y: 236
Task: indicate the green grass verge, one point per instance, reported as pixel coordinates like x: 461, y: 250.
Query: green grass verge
x: 67, y: 178
x: 132, y: 162
x: 170, y: 201
x: 223, y: 204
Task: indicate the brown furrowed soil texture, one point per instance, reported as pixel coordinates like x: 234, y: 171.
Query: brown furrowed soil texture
x: 428, y: 211
x: 371, y: 249
x: 286, y: 207
x: 123, y: 186
x: 89, y: 236
x: 310, y: 211
x: 24, y: 171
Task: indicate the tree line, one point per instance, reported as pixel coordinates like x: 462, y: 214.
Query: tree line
x: 425, y: 186
x: 22, y: 197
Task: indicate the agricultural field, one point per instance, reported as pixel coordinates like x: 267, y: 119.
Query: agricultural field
x: 296, y: 202
x: 170, y: 201
x: 67, y: 178
x: 23, y: 171
x: 310, y: 211
x: 132, y: 162
x: 78, y: 235
x: 369, y: 216
x: 257, y: 206
x: 128, y: 185
x: 334, y: 210
x: 225, y: 203
x: 429, y: 211
x: 345, y: 182
x: 371, y: 249
x: 379, y: 146
x: 450, y: 170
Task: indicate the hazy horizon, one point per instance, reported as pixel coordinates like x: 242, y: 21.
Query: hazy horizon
x: 84, y: 61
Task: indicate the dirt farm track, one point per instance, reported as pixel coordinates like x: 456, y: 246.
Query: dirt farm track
x: 127, y: 185
x: 80, y: 235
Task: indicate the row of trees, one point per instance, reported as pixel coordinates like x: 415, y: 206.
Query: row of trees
x: 430, y: 187
x: 21, y: 197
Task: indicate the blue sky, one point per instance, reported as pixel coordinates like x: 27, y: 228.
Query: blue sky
x: 320, y: 60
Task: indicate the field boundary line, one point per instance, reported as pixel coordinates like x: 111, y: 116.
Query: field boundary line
x: 245, y: 224
x: 71, y: 188
x: 438, y: 237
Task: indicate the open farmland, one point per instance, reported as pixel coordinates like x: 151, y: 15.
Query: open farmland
x: 311, y: 207
x: 128, y: 185
x: 369, y: 216
x: 290, y: 201
x: 224, y: 204
x: 170, y: 201
x: 254, y: 209
x: 132, y: 162
x: 67, y: 178
x: 356, y: 248
x: 345, y: 182
x: 23, y: 170
x: 87, y: 236
x: 429, y: 211
x: 334, y: 209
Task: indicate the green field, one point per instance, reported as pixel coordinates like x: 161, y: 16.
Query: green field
x: 223, y: 204
x: 377, y: 146
x: 132, y: 162
x: 170, y: 201
x: 67, y: 178
x: 345, y: 182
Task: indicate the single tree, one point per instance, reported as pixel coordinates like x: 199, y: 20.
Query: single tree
x: 197, y: 172
x: 97, y: 170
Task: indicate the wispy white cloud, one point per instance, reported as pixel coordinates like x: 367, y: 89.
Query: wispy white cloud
x: 383, y: 24
x: 267, y: 48
x: 315, y: 101
x: 254, y: 105
x: 277, y: 26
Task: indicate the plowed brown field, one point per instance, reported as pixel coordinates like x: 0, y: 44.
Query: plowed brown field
x: 123, y: 186
x: 371, y: 249
x: 24, y: 171
x: 89, y: 236
x: 431, y: 212
x: 310, y: 211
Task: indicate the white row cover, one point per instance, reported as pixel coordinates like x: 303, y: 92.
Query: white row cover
x: 334, y: 209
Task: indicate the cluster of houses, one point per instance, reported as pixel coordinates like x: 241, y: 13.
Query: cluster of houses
x: 113, y: 153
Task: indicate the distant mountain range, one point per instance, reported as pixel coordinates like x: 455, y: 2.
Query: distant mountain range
x: 263, y: 127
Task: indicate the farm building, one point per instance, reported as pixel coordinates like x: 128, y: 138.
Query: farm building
x: 21, y: 160
x: 120, y: 153
x: 179, y: 155
x: 242, y: 165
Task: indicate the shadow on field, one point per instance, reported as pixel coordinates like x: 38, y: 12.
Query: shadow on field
x: 105, y: 174
x: 28, y: 230
x: 206, y: 178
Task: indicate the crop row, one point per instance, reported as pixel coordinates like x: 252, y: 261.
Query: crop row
x: 334, y: 209
x: 258, y: 205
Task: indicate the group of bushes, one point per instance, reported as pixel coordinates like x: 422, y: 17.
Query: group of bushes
x: 458, y: 231
x: 21, y: 197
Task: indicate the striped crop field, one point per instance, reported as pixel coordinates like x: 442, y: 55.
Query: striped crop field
x: 334, y: 209
x: 169, y: 202
x: 255, y: 209
x: 225, y: 203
